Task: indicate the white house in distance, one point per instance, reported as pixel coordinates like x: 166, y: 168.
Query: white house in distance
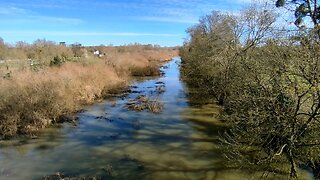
x: 96, y: 52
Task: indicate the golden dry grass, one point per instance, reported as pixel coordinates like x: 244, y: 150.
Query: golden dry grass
x: 30, y: 100
x: 138, y: 62
x: 33, y: 100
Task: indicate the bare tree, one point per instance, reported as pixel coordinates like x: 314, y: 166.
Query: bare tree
x: 269, y: 89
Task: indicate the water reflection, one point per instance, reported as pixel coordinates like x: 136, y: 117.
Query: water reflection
x: 111, y: 141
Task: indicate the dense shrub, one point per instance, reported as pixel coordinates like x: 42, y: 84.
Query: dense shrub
x: 267, y: 82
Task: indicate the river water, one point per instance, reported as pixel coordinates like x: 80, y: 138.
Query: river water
x: 111, y: 142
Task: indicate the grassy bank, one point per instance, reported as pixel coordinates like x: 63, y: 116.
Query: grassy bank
x: 31, y: 99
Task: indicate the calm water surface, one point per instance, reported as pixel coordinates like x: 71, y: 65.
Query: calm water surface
x: 112, y: 142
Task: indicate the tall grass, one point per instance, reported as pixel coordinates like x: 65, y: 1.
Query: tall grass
x: 138, y: 62
x: 33, y: 100
x: 34, y: 95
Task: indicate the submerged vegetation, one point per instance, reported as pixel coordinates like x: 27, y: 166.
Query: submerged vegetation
x: 42, y: 83
x: 142, y: 103
x: 267, y: 80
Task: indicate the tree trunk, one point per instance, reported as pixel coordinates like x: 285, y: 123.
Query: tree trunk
x: 293, y: 172
x: 316, y: 170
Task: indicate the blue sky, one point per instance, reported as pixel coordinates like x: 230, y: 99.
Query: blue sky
x: 95, y: 22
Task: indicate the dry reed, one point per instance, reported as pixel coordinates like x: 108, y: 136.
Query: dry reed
x: 32, y: 100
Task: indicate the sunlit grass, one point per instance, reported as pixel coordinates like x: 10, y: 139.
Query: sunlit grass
x: 30, y: 100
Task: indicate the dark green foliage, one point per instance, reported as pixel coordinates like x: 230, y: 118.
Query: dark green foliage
x: 280, y: 3
x: 57, y: 61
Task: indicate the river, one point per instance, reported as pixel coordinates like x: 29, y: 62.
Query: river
x: 112, y: 142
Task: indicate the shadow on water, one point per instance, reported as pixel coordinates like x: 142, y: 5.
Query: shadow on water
x: 112, y: 142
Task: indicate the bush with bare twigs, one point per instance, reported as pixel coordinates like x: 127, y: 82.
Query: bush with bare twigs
x: 268, y: 83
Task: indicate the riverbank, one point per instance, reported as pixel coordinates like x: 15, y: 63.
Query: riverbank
x: 267, y: 86
x: 31, y: 100
x: 112, y: 141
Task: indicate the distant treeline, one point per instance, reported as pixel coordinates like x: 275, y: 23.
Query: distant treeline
x: 44, y: 51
